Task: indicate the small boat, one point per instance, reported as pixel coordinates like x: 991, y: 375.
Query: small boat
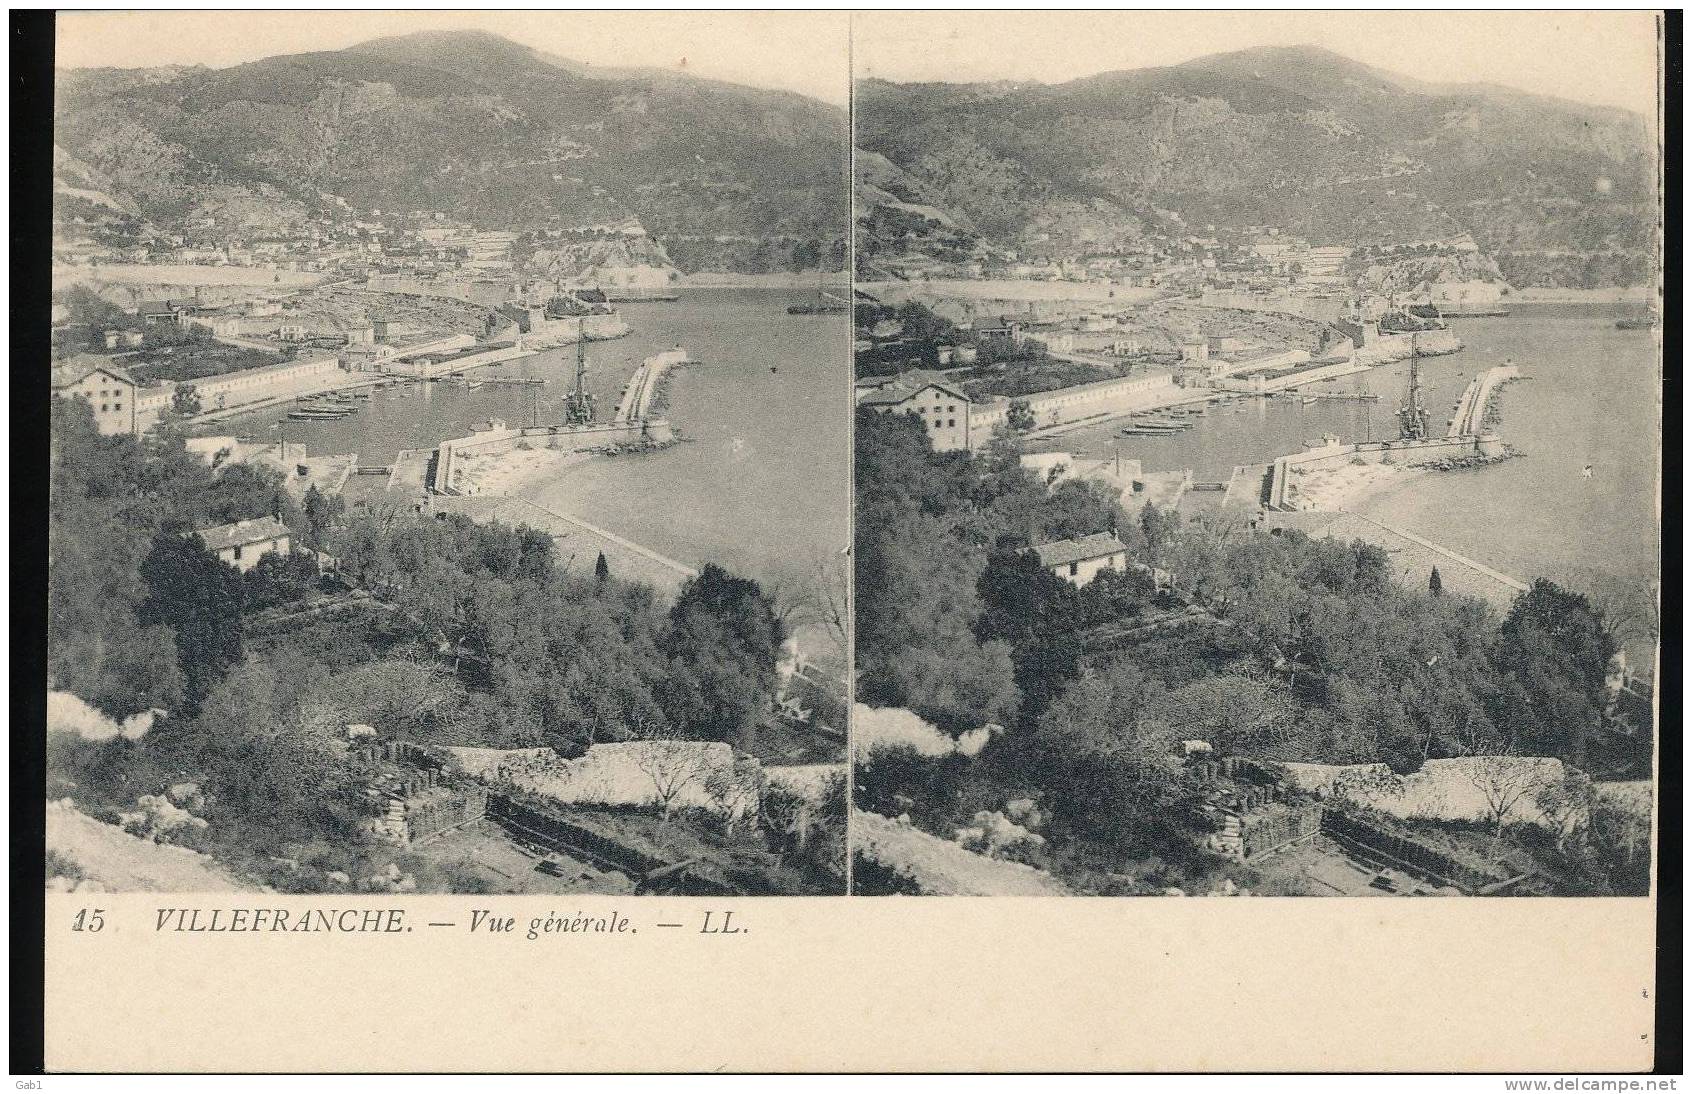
x: 1637, y: 322
x: 1308, y: 399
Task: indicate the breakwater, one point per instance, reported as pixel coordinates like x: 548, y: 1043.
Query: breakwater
x: 643, y: 387
x: 1469, y: 415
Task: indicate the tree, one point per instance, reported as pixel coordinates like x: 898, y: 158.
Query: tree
x: 185, y: 401
x: 1566, y: 804
x: 1236, y: 713
x: 323, y: 514
x: 1505, y: 780
x: 200, y: 600
x: 672, y: 766
x: 1034, y: 610
x: 1020, y: 416
x: 1434, y: 584
x: 1554, y: 649
x: 723, y: 641
x: 601, y: 568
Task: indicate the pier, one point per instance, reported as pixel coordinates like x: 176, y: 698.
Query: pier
x: 642, y: 388
x: 1468, y: 416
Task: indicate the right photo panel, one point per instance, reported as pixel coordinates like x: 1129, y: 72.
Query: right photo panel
x: 1257, y: 453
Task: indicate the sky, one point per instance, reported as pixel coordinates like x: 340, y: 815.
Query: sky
x: 1609, y: 58
x: 1606, y: 58
x: 797, y: 51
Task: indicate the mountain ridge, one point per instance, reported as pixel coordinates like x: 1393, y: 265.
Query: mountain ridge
x: 1294, y: 137
x: 468, y: 124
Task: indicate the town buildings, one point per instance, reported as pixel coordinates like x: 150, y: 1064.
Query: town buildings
x: 954, y: 422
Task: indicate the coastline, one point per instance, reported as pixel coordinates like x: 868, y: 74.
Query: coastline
x: 1633, y: 294
x: 715, y: 279
x: 1342, y: 489
x: 508, y: 474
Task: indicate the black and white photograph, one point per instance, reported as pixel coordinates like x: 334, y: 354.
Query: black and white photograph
x: 1257, y: 453
x: 450, y: 432
x: 512, y: 493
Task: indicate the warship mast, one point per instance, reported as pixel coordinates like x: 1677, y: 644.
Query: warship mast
x: 578, y: 404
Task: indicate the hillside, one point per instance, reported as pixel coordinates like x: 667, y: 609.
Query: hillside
x: 467, y: 124
x: 1300, y: 138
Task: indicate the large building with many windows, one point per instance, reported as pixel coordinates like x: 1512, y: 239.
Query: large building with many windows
x: 940, y: 404
x: 108, y: 389
x: 955, y: 423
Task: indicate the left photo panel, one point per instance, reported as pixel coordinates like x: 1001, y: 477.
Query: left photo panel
x: 450, y: 453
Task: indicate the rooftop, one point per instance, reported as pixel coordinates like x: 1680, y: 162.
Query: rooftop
x: 78, y: 367
x: 241, y: 533
x: 897, y: 389
x: 1065, y: 551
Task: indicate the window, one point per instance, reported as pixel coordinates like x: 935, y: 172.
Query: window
x: 950, y: 422
x: 237, y: 552
x: 103, y: 408
x: 1074, y: 568
x: 117, y: 406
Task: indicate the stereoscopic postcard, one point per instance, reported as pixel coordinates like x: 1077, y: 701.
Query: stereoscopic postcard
x: 614, y: 498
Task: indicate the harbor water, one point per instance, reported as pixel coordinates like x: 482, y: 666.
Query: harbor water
x: 1589, y: 398
x: 760, y: 482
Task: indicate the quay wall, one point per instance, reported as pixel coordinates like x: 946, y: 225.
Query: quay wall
x: 1259, y: 385
x: 1381, y: 349
x: 1071, y: 404
x: 642, y: 387
x: 567, y: 331
x: 1469, y: 413
x: 231, y: 391
x: 425, y: 366
x: 491, y: 294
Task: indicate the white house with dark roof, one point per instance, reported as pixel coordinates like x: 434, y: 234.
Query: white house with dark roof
x: 105, y: 387
x: 1079, y: 561
x: 243, y: 543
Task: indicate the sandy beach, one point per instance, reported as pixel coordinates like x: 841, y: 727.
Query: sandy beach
x: 505, y: 473
x: 1332, y: 489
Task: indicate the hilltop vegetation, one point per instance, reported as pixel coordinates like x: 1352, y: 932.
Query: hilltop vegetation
x: 1298, y: 138
x: 467, y: 124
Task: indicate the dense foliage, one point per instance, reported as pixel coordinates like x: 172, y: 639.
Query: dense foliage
x: 441, y: 631
x: 1276, y: 646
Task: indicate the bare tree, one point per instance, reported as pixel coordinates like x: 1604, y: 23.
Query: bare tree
x: 1505, y: 780
x: 672, y: 766
x: 833, y: 576
x: 1631, y: 609
x: 819, y: 595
